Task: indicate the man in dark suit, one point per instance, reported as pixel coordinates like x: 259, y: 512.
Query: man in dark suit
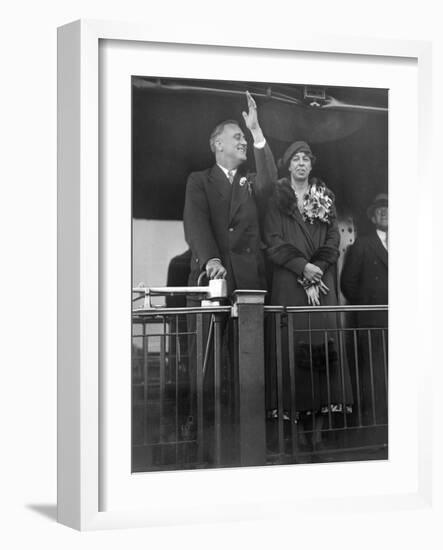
x: 222, y: 207
x: 364, y: 281
x: 221, y: 222
x: 364, y: 278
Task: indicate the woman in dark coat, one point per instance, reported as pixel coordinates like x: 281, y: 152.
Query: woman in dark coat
x: 303, y: 240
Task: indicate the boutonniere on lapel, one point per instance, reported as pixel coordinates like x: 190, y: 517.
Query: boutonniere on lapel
x: 246, y: 180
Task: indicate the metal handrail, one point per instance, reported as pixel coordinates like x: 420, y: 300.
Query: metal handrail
x: 268, y: 309
x: 313, y: 309
x: 338, y: 308
x: 215, y: 290
x: 179, y: 310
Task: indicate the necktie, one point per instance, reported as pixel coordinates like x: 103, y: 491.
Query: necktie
x: 231, y: 176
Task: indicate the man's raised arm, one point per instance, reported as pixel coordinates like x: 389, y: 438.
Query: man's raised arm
x: 264, y: 160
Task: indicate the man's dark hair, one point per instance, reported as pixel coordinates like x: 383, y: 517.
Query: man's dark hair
x: 218, y: 130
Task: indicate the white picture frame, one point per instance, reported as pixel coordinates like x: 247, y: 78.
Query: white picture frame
x: 79, y: 270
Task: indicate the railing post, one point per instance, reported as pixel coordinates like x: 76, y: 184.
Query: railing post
x: 249, y: 308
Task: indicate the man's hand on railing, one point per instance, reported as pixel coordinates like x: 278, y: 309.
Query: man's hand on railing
x: 215, y: 269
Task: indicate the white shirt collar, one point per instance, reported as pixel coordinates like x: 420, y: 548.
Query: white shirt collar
x: 383, y: 236
x: 226, y: 171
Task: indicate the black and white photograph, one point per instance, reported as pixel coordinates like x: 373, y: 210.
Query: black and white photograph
x: 202, y: 208
x: 259, y: 274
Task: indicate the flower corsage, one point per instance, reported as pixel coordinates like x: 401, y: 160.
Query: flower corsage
x: 317, y: 204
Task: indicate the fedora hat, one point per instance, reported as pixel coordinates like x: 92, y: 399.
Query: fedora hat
x: 380, y: 200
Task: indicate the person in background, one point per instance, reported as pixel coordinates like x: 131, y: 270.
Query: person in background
x: 178, y: 274
x: 364, y: 281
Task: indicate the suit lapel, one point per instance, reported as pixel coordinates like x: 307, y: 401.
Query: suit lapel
x: 219, y: 183
x: 379, y: 249
x: 240, y: 195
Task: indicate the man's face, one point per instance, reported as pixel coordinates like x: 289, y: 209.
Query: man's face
x: 300, y: 166
x: 380, y: 218
x: 231, y: 144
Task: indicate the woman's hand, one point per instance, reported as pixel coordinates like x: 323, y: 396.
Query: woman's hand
x: 251, y: 119
x: 312, y: 273
x: 323, y: 288
x: 313, y: 295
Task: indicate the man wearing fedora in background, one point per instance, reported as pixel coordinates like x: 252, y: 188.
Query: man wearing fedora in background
x: 364, y: 281
x: 364, y: 278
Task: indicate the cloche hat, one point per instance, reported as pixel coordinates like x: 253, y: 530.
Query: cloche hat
x: 296, y: 147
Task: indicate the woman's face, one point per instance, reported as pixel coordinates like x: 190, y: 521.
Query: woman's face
x: 300, y: 166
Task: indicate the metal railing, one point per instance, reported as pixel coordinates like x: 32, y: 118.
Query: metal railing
x: 328, y: 382
x: 200, y: 398
x: 173, y: 352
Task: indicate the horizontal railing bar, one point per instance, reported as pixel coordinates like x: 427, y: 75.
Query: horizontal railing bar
x: 166, y: 443
x: 171, y: 290
x: 313, y: 309
x: 305, y: 454
x: 379, y: 446
x: 342, y: 329
x: 150, y: 335
x: 178, y: 310
x: 349, y: 449
x: 344, y: 428
x: 268, y: 309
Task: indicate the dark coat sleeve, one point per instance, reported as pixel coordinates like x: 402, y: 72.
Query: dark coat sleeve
x: 266, y: 176
x: 351, y: 272
x: 199, y: 233
x: 277, y: 246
